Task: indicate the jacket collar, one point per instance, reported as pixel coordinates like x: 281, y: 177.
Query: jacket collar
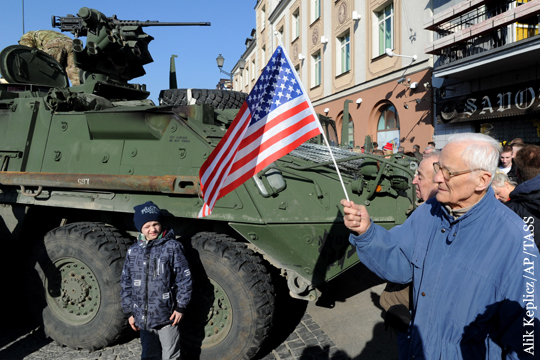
x: 477, y: 210
x: 526, y: 187
x: 165, y: 236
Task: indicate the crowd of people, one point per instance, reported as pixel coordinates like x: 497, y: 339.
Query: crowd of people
x: 466, y: 262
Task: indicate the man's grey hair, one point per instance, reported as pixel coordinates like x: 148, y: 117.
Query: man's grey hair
x: 429, y: 147
x: 432, y: 154
x: 482, y: 153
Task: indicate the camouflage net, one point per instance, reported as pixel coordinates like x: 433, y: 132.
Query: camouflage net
x: 320, y: 154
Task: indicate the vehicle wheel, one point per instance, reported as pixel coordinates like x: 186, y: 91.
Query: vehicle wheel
x: 75, y: 284
x: 220, y: 99
x: 232, y: 306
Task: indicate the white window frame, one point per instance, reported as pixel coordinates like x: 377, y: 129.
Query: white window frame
x: 263, y: 17
x: 316, y: 69
x: 343, y: 50
x: 315, y: 10
x: 253, y: 69
x: 263, y: 55
x: 377, y: 23
x: 296, y: 24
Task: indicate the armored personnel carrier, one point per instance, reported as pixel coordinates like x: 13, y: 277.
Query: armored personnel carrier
x: 74, y: 161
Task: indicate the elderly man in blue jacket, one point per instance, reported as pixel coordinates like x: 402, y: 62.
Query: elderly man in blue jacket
x: 473, y: 263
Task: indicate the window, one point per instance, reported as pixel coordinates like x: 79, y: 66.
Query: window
x: 296, y: 24
x: 263, y: 56
x: 316, y: 69
x: 280, y: 35
x: 315, y: 10
x: 239, y: 83
x: 297, y: 69
x: 253, y: 70
x: 263, y: 17
x: 385, y: 23
x: 388, y: 127
x: 343, y: 60
x: 526, y: 28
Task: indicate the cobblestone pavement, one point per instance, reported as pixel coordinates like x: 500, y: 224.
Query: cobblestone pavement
x: 307, y: 342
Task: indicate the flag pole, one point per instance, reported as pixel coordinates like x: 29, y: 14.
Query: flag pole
x: 320, y: 126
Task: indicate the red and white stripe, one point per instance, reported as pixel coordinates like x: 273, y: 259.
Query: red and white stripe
x: 246, y: 150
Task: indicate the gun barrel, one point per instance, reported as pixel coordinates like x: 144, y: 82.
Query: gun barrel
x: 157, y: 23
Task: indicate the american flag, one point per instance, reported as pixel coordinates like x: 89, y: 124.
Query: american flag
x: 275, y: 119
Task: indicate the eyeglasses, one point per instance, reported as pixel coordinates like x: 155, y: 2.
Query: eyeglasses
x: 448, y: 174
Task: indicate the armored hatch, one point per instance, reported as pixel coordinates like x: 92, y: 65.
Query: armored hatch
x: 25, y: 65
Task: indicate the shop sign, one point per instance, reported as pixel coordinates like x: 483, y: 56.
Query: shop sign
x: 517, y: 100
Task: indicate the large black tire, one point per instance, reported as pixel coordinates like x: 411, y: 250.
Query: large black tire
x: 75, y: 284
x: 233, y: 301
x: 220, y: 99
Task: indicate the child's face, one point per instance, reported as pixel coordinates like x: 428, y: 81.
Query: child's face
x: 151, y: 230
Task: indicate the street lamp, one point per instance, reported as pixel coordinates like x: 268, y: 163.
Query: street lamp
x: 390, y: 53
x: 241, y: 65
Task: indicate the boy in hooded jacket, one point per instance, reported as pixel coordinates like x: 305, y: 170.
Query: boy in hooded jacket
x: 156, y: 285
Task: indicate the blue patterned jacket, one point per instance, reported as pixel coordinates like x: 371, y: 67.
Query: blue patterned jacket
x: 156, y: 280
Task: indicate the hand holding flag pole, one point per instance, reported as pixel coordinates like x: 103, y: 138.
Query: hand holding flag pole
x: 275, y: 119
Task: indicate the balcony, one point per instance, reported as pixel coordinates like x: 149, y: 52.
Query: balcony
x: 474, y: 29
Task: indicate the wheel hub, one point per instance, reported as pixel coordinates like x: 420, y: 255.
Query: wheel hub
x: 220, y: 316
x: 72, y: 291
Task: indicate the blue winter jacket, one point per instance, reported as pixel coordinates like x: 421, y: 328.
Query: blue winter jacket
x: 156, y: 280
x: 475, y: 288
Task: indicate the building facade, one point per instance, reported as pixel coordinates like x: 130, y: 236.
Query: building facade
x: 339, y: 49
x: 487, y: 70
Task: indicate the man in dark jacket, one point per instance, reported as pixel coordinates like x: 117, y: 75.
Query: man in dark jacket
x: 416, y: 152
x: 508, y: 166
x: 525, y: 199
x: 156, y: 285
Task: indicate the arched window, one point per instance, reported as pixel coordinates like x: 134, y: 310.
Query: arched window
x: 388, y: 127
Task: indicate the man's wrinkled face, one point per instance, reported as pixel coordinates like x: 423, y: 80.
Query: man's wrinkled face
x: 506, y: 159
x: 457, y: 191
x: 425, y: 186
x: 151, y: 230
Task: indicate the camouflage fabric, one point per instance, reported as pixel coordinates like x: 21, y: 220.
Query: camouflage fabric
x: 58, y: 46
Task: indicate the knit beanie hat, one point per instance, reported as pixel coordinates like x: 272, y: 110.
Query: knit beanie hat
x: 145, y: 213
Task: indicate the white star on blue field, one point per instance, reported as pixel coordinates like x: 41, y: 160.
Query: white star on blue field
x: 277, y: 85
